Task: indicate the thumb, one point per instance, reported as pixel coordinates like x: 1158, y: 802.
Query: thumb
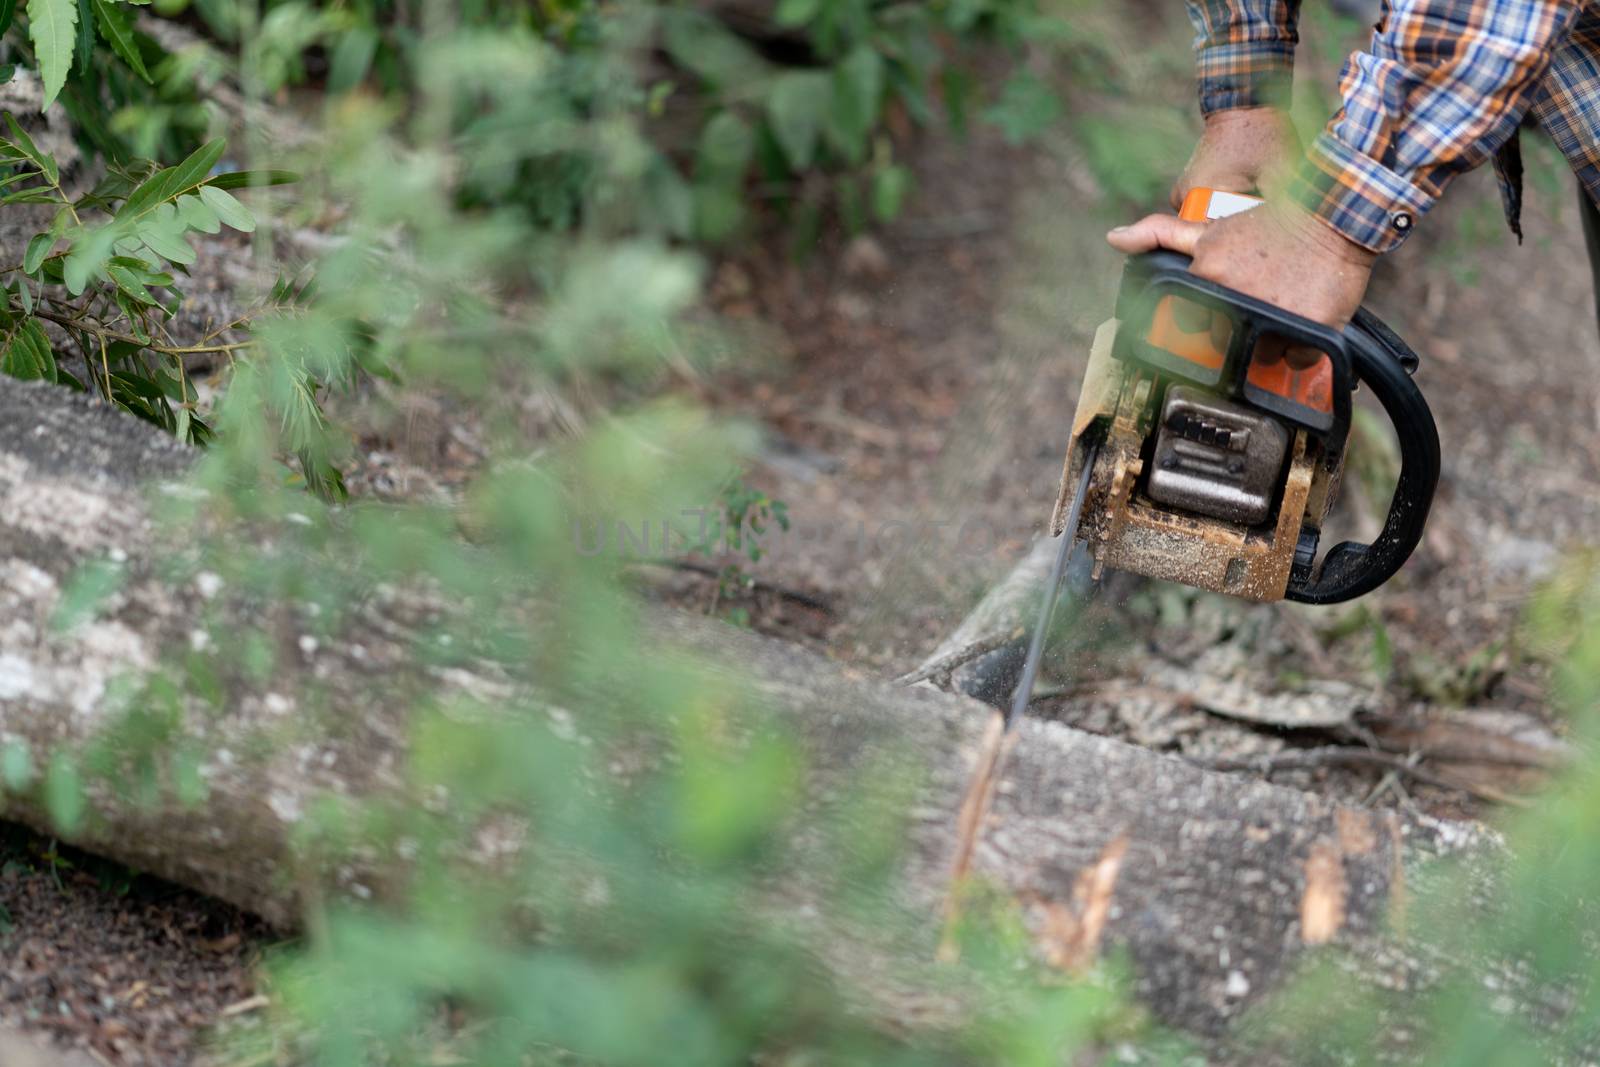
x: 1157, y: 231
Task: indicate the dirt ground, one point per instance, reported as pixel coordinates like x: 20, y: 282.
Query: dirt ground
x: 914, y: 404
x: 122, y: 968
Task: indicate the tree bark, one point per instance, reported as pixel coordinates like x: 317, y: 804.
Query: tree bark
x: 1210, y: 882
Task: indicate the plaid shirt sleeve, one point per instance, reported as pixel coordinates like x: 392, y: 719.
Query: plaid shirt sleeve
x: 1244, y: 51
x: 1444, y: 85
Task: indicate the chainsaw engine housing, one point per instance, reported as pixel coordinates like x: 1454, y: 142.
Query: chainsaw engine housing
x: 1218, y: 471
x: 1216, y: 458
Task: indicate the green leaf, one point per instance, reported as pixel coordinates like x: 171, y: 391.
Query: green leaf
x: 26, y: 353
x: 173, y: 182
x: 16, y: 766
x: 165, y: 242
x: 8, y: 13
x: 85, y: 591
x: 87, y: 258
x: 246, y: 179
x: 911, y: 92
x: 131, y: 310
x: 31, y: 196
x: 797, y: 12
x: 83, y: 51
x: 38, y: 248
x: 128, y: 283
x: 136, y: 385
x: 889, y: 188
x: 116, y: 26
x: 51, y: 27
x: 726, y: 145
x: 667, y: 203
x: 63, y: 787
x: 703, y: 45
x: 352, y: 58
x: 143, y: 270
x: 718, y: 211
x: 322, y: 477
x: 857, y: 93
x: 1026, y: 108
x: 23, y: 144
x: 229, y: 210
x: 956, y: 84
x: 796, y: 107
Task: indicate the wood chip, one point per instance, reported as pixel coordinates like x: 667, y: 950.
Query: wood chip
x: 1322, y: 906
x: 249, y: 1004
x: 1072, y: 934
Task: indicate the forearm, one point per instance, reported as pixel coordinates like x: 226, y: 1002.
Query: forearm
x: 1244, y: 51
x: 1445, y: 84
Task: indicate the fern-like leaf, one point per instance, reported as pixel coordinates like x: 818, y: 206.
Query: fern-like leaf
x: 52, y: 26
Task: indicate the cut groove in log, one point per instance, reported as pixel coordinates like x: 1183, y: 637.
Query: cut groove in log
x: 983, y: 657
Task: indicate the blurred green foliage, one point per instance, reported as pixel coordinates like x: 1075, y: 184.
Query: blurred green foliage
x: 103, y: 269
x: 735, y: 103
x: 509, y: 217
x: 673, y: 121
x: 657, y: 915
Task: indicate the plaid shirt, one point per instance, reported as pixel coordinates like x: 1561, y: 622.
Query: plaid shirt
x: 1442, y: 89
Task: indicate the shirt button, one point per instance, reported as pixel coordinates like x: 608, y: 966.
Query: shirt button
x: 1402, y: 221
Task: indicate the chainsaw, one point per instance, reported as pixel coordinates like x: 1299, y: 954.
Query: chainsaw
x: 1207, y: 449
x: 1201, y: 453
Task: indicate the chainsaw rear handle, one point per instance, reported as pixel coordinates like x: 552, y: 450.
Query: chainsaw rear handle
x: 1385, y: 363
x: 1367, y: 351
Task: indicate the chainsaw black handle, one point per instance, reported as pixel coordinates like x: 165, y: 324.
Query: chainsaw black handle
x: 1385, y: 363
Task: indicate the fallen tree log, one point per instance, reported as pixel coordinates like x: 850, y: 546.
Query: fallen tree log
x: 1209, y: 882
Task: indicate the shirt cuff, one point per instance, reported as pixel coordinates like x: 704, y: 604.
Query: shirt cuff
x: 1244, y: 74
x: 1357, y: 196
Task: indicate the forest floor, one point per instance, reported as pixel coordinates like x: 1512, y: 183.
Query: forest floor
x: 913, y: 399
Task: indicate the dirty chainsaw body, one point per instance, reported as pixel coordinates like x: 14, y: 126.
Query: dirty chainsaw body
x: 1215, y: 462
x: 1203, y: 454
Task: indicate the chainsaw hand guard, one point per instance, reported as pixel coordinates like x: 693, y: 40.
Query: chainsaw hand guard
x: 1157, y: 288
x: 1216, y: 351
x: 1385, y: 363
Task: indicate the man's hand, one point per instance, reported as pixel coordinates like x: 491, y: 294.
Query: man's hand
x: 1239, y: 152
x: 1276, y: 252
